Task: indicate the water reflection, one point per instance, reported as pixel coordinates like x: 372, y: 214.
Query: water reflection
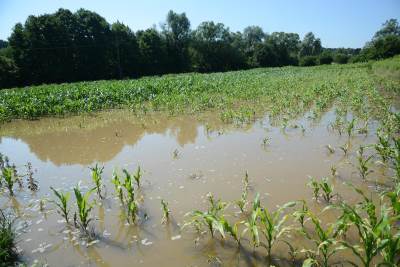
x: 87, y: 139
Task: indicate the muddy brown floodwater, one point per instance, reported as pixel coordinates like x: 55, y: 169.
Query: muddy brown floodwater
x: 212, y: 157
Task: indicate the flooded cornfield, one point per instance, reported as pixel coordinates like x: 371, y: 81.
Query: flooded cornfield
x: 185, y: 161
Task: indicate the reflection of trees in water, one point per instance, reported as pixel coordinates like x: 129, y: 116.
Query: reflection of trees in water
x: 67, y: 144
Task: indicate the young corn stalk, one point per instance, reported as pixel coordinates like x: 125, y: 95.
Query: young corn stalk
x: 272, y: 224
x: 137, y: 176
x: 314, y: 185
x: 324, y: 240
x: 118, y: 186
x: 9, y: 179
x: 62, y: 203
x: 350, y: 127
x: 330, y: 149
x: 165, y: 210
x: 251, y: 223
x: 371, y: 230
x: 345, y: 148
x: 32, y: 184
x: 327, y: 189
x: 130, y: 199
x: 363, y: 163
x: 84, y: 209
x: 96, y: 178
x: 383, y: 147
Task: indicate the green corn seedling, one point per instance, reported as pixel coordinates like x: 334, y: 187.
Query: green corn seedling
x: 118, y: 186
x: 96, y: 178
x: 9, y: 179
x: 165, y: 210
x: 137, y: 176
x: 251, y: 223
x: 363, y: 163
x: 327, y: 189
x: 272, y: 225
x: 62, y: 203
x: 84, y: 208
x: 314, y: 185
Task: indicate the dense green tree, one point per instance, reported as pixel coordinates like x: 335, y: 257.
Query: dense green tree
x: 310, y: 46
x: 153, y: 52
x: 125, y: 60
x: 8, y: 73
x: 325, y: 57
x: 177, y: 34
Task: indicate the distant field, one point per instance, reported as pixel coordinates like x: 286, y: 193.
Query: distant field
x: 236, y: 95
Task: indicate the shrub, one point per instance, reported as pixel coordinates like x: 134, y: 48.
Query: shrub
x: 308, y: 61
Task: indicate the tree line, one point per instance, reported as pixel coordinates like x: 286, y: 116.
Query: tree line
x: 68, y: 47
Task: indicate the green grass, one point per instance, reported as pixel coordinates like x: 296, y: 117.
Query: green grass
x: 238, y: 96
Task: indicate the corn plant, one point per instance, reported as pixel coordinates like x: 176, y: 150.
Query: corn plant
x: 62, y: 203
x: 334, y: 171
x: 363, y: 163
x: 118, y: 186
x: 233, y: 230
x: 370, y: 229
x: 32, y: 183
x: 8, y: 244
x: 272, y: 225
x: 314, y: 185
x: 130, y: 199
x: 383, y: 147
x: 242, y: 202
x: 324, y: 240
x: 330, y: 149
x: 300, y: 215
x: 394, y: 197
x: 138, y: 176
x: 251, y: 222
x: 350, y: 127
x: 165, y: 210
x: 327, y: 189
x: 345, y: 148
x: 84, y: 208
x: 9, y: 179
x: 96, y: 178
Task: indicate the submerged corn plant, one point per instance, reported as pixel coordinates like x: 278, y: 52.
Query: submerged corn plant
x: 314, y: 185
x: 84, y: 208
x: 372, y: 229
x: 96, y: 172
x: 350, y: 127
x: 62, y: 203
x: 118, y: 186
x: 327, y: 189
x: 9, y: 179
x: 363, y: 163
x: 345, y: 148
x: 165, y: 210
x: 324, y: 239
x: 272, y: 225
x: 130, y: 200
x: 32, y: 183
x: 330, y: 149
x: 383, y: 147
x: 251, y: 222
x: 138, y: 176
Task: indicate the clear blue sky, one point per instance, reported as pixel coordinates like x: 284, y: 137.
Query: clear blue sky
x: 339, y: 23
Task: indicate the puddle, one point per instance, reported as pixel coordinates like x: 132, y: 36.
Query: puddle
x: 183, y: 159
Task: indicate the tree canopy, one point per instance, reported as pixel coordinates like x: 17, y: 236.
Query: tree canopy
x: 67, y: 47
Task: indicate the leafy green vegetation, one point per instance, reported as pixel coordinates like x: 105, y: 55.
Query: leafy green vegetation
x: 8, y: 251
x: 282, y: 92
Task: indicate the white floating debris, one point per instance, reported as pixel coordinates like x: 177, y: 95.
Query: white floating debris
x: 105, y: 233
x: 181, y: 187
x: 146, y: 242
x: 92, y: 243
x: 176, y: 237
x: 40, y: 229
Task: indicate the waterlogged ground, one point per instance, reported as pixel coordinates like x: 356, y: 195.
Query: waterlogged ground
x: 211, y: 157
